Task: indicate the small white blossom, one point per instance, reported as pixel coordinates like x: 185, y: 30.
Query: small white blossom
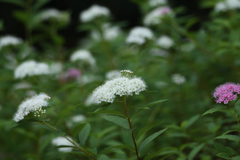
x: 113, y: 74
x: 227, y: 5
x: 154, y: 3
x: 22, y: 85
x: 34, y: 104
x: 30, y: 68
x: 94, y: 12
x: 53, y: 13
x: 178, y: 79
x: 84, y: 56
x: 109, y: 32
x: 155, y: 16
x: 9, y: 40
x: 139, y: 35
x: 165, y: 42
x: 89, y: 101
x: 78, y: 118
x: 63, y: 141
x: 118, y: 86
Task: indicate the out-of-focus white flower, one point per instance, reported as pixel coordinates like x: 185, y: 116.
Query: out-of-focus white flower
x: 94, y: 12
x: 22, y: 85
x: 63, y: 141
x: 154, y: 3
x: 159, y: 52
x: 84, y: 56
x: 227, y: 5
x: 53, y: 13
x: 109, y: 32
x: 139, y: 35
x: 178, y: 79
x: 155, y: 16
x: 78, y: 118
x: 89, y: 101
x: 118, y: 86
x: 165, y: 42
x: 34, y: 104
x: 30, y: 68
x: 113, y: 74
x: 55, y: 68
x: 9, y: 40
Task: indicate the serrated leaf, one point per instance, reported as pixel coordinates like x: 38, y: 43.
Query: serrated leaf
x: 195, y: 151
x: 229, y: 137
x: 223, y: 155
x: 212, y: 110
x: 221, y: 148
x: 236, y: 158
x: 66, y: 111
x: 77, y: 129
x: 118, y: 120
x: 84, y: 133
x: 155, y: 102
x: 150, y: 138
x: 147, y: 128
x: 112, y: 112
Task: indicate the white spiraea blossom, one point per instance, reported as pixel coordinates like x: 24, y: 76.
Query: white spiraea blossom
x: 139, y: 35
x: 178, y: 78
x: 227, y: 5
x: 94, y: 12
x: 165, y: 42
x: 113, y: 74
x: 78, y: 118
x: 109, y: 32
x: 34, y: 104
x: 154, y: 3
x: 63, y: 141
x: 53, y: 13
x: 118, y: 86
x: 155, y: 16
x: 9, y: 40
x: 30, y: 68
x: 84, y: 56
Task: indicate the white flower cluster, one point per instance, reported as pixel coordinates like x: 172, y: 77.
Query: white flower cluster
x: 178, y: 79
x: 154, y: 3
x: 84, y: 56
x: 63, y: 141
x: 165, y: 42
x: 55, y: 68
x: 53, y: 13
x: 118, y: 86
x: 155, y: 16
x: 34, y: 104
x: 139, y: 35
x: 30, y: 68
x: 9, y: 40
x: 94, y: 12
x: 109, y: 32
x: 227, y: 5
x: 89, y: 101
x: 113, y: 74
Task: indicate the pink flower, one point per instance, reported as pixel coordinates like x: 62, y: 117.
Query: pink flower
x: 226, y: 92
x: 73, y: 73
x: 165, y: 10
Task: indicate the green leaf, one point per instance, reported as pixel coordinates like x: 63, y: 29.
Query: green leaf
x: 66, y: 111
x: 105, y: 131
x: 113, y: 112
x: 191, y: 121
x: 223, y: 155
x: 155, y: 102
x: 150, y: 138
x: 222, y: 148
x: 39, y: 4
x: 161, y: 153
x: 236, y: 158
x: 103, y: 157
x: 121, y: 147
x: 229, y: 137
x: 195, y: 151
x: 147, y: 128
x: 212, y: 110
x: 84, y: 133
x: 138, y: 111
x: 77, y: 129
x: 118, y: 120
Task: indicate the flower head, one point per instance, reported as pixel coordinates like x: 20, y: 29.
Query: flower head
x: 226, y: 92
x: 165, y: 42
x: 139, y: 35
x: 113, y: 74
x: 63, y: 141
x: 84, y: 56
x: 9, y: 40
x: 119, y: 86
x: 178, y: 78
x: 30, y: 68
x: 34, y: 104
x: 94, y: 12
x: 227, y: 5
x: 53, y: 13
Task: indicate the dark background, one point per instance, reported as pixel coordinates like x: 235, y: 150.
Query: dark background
x: 122, y: 11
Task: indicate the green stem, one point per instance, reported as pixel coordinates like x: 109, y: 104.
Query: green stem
x: 70, y: 140
x: 130, y: 125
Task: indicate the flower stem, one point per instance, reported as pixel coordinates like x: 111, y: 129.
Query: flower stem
x: 130, y: 125
x: 81, y: 149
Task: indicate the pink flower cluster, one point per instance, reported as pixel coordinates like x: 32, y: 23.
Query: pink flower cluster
x: 226, y: 92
